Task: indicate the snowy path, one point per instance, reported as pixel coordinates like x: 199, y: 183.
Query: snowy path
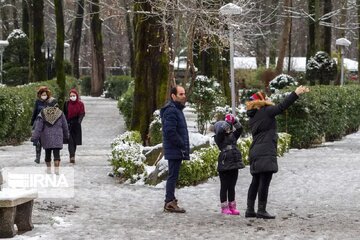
x: 315, y: 195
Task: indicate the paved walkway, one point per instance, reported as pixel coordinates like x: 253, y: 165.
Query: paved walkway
x: 315, y: 195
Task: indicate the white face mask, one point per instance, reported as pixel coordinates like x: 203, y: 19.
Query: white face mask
x: 73, y: 98
x: 44, y: 97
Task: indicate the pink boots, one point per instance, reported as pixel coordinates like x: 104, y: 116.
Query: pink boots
x: 232, y: 208
x: 229, y: 209
x: 225, y: 208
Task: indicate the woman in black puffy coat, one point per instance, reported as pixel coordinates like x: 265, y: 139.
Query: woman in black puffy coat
x: 263, y: 150
x: 229, y: 161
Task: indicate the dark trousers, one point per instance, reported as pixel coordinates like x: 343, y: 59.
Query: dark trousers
x: 228, y: 181
x: 72, y: 146
x: 174, y: 168
x: 56, y: 152
x: 260, y: 186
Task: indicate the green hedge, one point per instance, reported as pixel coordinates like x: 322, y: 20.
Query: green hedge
x: 16, y: 106
x: 129, y: 162
x: 115, y: 86
x: 326, y: 112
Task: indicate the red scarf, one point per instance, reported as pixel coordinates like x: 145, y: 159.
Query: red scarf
x: 75, y: 108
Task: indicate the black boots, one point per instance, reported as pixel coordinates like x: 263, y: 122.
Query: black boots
x: 250, y: 212
x: 38, y: 153
x: 262, y: 213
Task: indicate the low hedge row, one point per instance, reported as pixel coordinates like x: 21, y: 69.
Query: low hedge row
x: 16, y: 106
x: 129, y: 162
x: 325, y: 113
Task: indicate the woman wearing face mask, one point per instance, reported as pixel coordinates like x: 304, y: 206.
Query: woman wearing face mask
x: 74, y: 111
x: 43, y: 100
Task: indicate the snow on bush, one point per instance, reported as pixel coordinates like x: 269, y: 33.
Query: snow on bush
x: 129, y: 162
x: 321, y: 67
x: 281, y: 81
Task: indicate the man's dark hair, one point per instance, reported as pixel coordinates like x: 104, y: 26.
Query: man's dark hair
x: 173, y: 90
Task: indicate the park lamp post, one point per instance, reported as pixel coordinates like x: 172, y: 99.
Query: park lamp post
x: 229, y: 10
x: 3, y: 44
x: 342, y: 42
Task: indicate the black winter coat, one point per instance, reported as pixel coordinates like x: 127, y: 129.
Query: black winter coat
x: 175, y: 133
x: 230, y: 156
x: 74, y: 125
x: 263, y: 150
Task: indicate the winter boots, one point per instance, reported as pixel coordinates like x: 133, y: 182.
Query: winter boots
x: 262, y: 213
x: 225, y: 208
x: 38, y: 153
x: 232, y: 208
x: 250, y: 212
x: 173, y: 207
x: 57, y: 165
x: 72, y: 160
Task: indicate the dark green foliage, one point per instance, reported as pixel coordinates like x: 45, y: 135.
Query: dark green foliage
x: 85, y: 85
x: 206, y: 95
x: 321, y: 67
x: 16, y: 105
x: 16, y: 59
x: 327, y: 112
x: 115, y: 86
x: 125, y: 104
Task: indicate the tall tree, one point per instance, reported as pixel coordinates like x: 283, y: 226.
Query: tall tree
x: 5, y: 22
x: 59, y: 58
x: 284, y: 38
x: 151, y: 66
x: 25, y: 17
x: 211, y: 57
x: 130, y: 35
x: 313, y: 44
x: 39, y: 62
x: 76, y: 38
x: 98, y: 67
x: 27, y: 4
x: 327, y: 29
x: 15, y: 14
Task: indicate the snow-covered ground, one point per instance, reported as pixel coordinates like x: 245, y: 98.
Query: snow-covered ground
x: 315, y: 195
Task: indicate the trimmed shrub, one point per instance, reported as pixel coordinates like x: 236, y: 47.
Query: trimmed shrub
x: 281, y: 81
x: 16, y: 59
x: 85, y: 85
x: 125, y: 104
x: 155, y: 132
x: 127, y: 158
x: 115, y: 86
x: 16, y: 105
x: 326, y: 112
x: 321, y: 67
x: 129, y: 163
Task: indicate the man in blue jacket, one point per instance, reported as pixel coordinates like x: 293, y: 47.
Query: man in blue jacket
x: 175, y: 143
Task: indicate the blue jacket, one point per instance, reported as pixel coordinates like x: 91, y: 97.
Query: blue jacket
x: 175, y: 134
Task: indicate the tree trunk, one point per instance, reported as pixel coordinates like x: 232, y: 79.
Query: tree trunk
x: 130, y: 35
x: 30, y: 29
x: 5, y: 24
x: 15, y: 14
x: 76, y: 38
x: 98, y: 68
x: 284, y: 39
x: 151, y: 67
x: 39, y: 63
x: 25, y: 17
x: 260, y: 45
x: 59, y: 58
x: 313, y: 6
x: 273, y: 35
x: 327, y: 30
